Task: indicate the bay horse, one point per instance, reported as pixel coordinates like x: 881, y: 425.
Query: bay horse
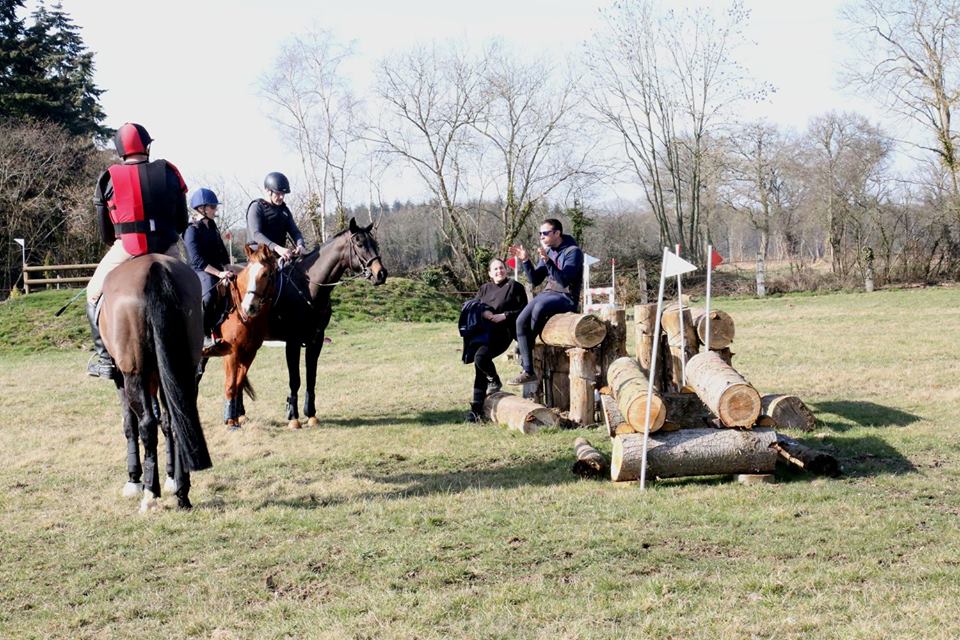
x: 151, y: 324
x: 302, y: 311
x: 244, y: 329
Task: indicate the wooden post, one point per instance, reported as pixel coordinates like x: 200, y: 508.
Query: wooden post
x: 681, y: 349
x: 645, y: 318
x: 583, y: 364
x: 614, y: 344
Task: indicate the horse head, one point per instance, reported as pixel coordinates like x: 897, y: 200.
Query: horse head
x: 255, y: 282
x: 364, y: 253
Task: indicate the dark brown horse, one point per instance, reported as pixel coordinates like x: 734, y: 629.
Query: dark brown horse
x: 302, y: 311
x: 245, y: 327
x: 151, y: 325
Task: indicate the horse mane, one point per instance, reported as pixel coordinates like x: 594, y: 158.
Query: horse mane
x: 264, y: 255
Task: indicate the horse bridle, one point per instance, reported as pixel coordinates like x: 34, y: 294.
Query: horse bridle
x: 238, y: 298
x: 365, y: 271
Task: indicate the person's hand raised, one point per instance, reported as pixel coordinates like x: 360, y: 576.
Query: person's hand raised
x: 517, y: 251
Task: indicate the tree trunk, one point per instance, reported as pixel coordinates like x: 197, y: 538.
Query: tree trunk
x: 629, y: 388
x: 806, y: 458
x: 683, y: 346
x: 694, y: 452
x: 573, y: 330
x: 642, y: 282
x: 517, y: 413
x: 612, y: 417
x: 723, y: 390
x: 788, y: 412
x: 583, y: 366
x: 590, y: 462
x: 614, y: 343
x: 761, y: 277
x: 721, y: 327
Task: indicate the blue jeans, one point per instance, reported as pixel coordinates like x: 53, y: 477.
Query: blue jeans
x: 534, y: 316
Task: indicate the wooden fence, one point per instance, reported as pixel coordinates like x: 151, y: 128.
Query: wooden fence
x: 58, y: 279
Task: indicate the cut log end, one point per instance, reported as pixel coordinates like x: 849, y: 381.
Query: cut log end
x: 590, y: 462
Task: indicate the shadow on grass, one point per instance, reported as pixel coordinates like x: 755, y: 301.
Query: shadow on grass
x: 858, y: 457
x: 862, y: 413
x: 404, y: 485
x: 447, y: 416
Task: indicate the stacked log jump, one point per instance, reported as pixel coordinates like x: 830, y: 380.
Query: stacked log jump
x: 705, y: 418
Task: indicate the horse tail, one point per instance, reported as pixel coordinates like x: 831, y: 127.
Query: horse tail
x: 246, y: 387
x: 177, y: 370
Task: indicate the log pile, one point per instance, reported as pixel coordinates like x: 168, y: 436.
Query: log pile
x: 705, y: 417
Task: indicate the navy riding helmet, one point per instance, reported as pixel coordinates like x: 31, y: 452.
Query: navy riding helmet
x: 276, y: 182
x: 202, y: 197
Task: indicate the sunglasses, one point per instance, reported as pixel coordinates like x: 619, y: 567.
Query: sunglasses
x: 546, y: 233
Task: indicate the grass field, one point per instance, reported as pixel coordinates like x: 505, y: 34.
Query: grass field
x: 396, y: 520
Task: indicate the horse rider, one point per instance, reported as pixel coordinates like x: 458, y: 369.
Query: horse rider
x: 269, y: 220
x: 208, y: 256
x: 561, y: 265
x: 141, y: 208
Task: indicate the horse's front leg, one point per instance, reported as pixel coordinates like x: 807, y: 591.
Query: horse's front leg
x: 230, y: 389
x: 293, y: 371
x: 309, y: 394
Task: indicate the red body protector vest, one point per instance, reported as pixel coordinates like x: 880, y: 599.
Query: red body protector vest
x: 144, y: 204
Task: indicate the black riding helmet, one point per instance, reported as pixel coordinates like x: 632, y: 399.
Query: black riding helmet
x: 276, y: 182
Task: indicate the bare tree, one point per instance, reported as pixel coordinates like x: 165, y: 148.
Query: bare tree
x: 536, y: 137
x: 315, y: 109
x: 431, y: 98
x: 665, y: 82
x: 844, y: 153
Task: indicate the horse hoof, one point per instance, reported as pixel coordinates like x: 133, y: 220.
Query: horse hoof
x: 184, y: 504
x: 170, y: 485
x: 132, y: 489
x: 294, y: 424
x: 313, y: 422
x: 243, y: 420
x: 150, y: 502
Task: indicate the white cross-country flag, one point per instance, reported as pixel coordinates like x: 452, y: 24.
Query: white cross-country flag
x: 674, y: 265
x: 589, y: 260
x: 20, y: 242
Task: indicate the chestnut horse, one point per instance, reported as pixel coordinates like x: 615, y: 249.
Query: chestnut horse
x: 151, y: 324
x: 302, y: 310
x: 245, y: 328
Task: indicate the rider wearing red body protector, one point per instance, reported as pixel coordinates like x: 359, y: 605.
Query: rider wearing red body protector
x: 141, y: 208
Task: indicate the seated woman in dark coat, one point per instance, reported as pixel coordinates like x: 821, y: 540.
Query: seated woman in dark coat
x: 503, y: 299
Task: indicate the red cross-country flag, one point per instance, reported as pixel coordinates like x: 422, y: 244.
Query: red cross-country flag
x: 512, y: 263
x: 715, y: 259
x: 228, y: 235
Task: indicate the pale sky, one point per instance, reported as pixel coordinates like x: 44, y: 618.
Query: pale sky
x: 188, y: 70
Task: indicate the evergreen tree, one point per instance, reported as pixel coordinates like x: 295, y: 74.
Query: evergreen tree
x: 46, y: 73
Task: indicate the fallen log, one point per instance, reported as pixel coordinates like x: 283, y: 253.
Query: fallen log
x: 573, y: 330
x: 806, y: 458
x: 629, y: 388
x: 685, y: 411
x: 731, y: 398
x: 788, y: 412
x: 694, y: 452
x: 612, y: 417
x: 722, y: 328
x: 590, y: 462
x: 645, y: 318
x: 517, y: 413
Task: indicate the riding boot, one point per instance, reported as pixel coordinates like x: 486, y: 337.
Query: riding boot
x: 101, y: 365
x: 476, y: 407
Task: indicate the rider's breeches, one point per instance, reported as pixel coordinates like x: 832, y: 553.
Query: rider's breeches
x: 534, y: 316
x: 211, y: 308
x: 114, y: 258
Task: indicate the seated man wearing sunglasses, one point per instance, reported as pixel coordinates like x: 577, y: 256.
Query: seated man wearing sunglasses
x: 561, y: 265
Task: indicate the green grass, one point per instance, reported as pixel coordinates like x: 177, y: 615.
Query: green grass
x: 28, y: 325
x: 396, y: 520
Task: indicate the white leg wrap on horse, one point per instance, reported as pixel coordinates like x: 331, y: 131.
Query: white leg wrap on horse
x: 170, y: 485
x: 132, y: 489
x: 149, y: 502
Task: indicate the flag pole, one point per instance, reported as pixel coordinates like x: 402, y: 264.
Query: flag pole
x: 706, y: 342
x: 683, y: 348
x: 653, y: 372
